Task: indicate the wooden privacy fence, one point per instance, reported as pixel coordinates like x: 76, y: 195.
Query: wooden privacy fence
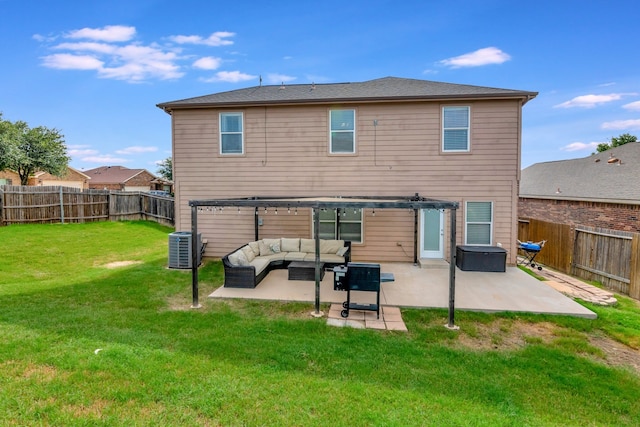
x: 52, y: 204
x: 608, y: 256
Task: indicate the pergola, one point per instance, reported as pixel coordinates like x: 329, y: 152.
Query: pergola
x: 414, y: 203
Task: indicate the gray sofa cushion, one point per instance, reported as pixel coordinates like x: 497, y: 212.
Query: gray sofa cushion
x: 289, y: 245
x: 248, y: 252
x: 330, y: 246
x: 260, y: 263
x: 295, y: 256
x: 238, y: 258
x: 269, y: 246
x: 325, y: 258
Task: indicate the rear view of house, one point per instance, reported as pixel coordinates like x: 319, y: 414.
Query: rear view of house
x: 383, y: 137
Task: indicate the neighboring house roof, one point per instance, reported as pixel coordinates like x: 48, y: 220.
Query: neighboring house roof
x: 387, y: 88
x: 70, y: 169
x: 113, y: 174
x: 595, y: 178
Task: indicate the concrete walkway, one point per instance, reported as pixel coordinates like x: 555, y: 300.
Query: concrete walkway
x: 576, y: 288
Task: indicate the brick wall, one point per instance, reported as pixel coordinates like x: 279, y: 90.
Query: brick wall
x: 98, y: 186
x: 593, y: 214
x: 144, y: 178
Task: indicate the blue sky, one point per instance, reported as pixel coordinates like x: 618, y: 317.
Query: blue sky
x: 96, y: 69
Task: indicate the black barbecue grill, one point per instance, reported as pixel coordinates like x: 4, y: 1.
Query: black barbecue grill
x: 363, y: 277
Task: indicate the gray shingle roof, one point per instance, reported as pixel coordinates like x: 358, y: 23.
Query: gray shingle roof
x: 387, y: 88
x: 592, y: 178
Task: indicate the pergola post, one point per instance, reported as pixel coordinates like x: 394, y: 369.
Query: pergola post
x: 195, y: 249
x: 316, y: 235
x: 452, y: 273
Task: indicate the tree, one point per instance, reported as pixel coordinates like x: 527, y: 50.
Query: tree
x: 165, y: 169
x: 625, y: 138
x: 26, y: 150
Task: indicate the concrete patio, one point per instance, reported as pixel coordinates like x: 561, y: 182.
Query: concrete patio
x: 513, y: 291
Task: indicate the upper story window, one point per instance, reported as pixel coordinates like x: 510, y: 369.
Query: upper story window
x: 479, y: 223
x: 231, y: 133
x: 342, y: 127
x: 455, y: 128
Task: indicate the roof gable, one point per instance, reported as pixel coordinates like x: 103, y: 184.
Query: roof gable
x: 595, y: 178
x: 114, y: 174
x: 383, y: 89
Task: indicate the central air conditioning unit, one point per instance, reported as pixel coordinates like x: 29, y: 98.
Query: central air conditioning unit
x: 180, y: 249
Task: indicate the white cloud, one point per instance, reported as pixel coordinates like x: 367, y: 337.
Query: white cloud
x: 208, y: 63
x: 485, y: 56
x: 215, y: 39
x: 590, y: 101
x: 137, y: 150
x: 580, y: 146
x: 80, y: 150
x: 230, y: 77
x: 133, y: 62
x: 275, y: 78
x: 109, y: 33
x: 109, y: 51
x: 622, y: 125
x: 87, y: 46
x: 633, y: 106
x: 105, y: 159
x: 67, y: 61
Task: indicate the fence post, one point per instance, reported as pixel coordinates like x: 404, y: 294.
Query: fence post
x: 634, y: 278
x: 1, y: 207
x: 61, y: 206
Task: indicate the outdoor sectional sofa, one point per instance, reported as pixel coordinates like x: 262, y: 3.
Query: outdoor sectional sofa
x: 246, y: 266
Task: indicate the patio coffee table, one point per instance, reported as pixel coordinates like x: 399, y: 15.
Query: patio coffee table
x: 304, y: 270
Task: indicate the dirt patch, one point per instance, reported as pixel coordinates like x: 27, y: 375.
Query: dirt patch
x: 505, y: 334
x: 122, y: 264
x: 617, y: 354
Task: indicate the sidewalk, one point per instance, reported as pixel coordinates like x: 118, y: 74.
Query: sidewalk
x: 576, y: 288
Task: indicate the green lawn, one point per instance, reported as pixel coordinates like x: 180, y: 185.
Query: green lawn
x: 85, y: 344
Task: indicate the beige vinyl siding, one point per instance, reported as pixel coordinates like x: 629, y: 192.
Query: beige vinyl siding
x: 287, y: 153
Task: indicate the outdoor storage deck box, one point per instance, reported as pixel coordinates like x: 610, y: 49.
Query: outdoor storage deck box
x: 481, y: 258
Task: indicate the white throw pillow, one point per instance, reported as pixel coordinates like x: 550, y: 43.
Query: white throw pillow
x: 255, y: 247
x: 248, y: 252
x: 343, y: 250
x: 268, y: 246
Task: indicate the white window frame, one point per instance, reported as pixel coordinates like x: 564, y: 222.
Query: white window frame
x: 490, y: 223
x: 241, y: 133
x: 467, y: 128
x: 336, y: 231
x: 332, y: 131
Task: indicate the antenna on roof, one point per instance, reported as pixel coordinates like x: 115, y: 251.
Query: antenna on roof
x: 260, y: 80
x: 282, y: 86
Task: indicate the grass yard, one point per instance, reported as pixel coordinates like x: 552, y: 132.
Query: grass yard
x: 95, y: 330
